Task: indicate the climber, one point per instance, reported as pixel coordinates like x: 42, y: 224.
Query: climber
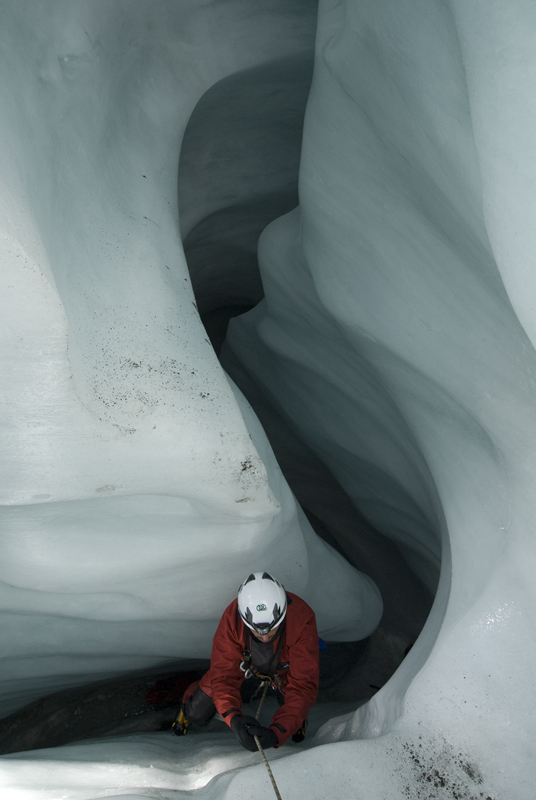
x: 265, y: 635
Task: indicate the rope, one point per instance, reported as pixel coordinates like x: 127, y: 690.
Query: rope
x: 266, y: 764
x: 266, y: 684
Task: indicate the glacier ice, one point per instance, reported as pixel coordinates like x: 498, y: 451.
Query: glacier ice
x: 137, y: 486
x: 238, y: 171
x: 385, y: 292
x: 396, y: 338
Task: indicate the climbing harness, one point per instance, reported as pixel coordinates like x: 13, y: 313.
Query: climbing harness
x: 250, y: 670
x: 266, y: 764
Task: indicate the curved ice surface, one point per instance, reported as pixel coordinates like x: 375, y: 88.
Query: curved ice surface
x: 391, y: 292
x: 138, y: 488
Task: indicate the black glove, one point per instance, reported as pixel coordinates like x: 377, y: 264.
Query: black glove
x: 266, y: 736
x: 240, y: 726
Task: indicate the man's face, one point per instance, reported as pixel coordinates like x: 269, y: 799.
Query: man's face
x: 266, y: 637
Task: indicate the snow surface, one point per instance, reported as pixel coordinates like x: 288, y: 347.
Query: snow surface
x: 145, y: 764
x: 397, y: 337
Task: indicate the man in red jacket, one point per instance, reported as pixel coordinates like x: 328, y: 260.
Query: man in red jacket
x: 266, y: 634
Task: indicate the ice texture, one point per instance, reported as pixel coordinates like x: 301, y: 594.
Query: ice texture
x: 138, y: 489
x: 395, y: 291
x: 396, y: 337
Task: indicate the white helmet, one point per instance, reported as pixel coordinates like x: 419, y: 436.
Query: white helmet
x: 262, y: 602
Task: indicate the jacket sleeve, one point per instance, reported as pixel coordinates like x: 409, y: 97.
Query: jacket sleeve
x: 302, y: 682
x: 225, y: 676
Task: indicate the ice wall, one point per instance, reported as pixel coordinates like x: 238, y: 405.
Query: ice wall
x: 137, y: 487
x: 238, y: 171
x: 399, y: 303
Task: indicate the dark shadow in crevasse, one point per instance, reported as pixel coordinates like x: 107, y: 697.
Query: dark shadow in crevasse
x: 238, y: 171
x: 139, y: 702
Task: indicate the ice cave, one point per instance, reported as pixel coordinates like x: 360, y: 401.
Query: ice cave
x: 267, y: 303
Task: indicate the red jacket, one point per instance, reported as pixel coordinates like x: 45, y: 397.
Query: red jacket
x: 299, y: 681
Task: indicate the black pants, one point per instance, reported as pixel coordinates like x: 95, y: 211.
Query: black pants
x: 199, y: 708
